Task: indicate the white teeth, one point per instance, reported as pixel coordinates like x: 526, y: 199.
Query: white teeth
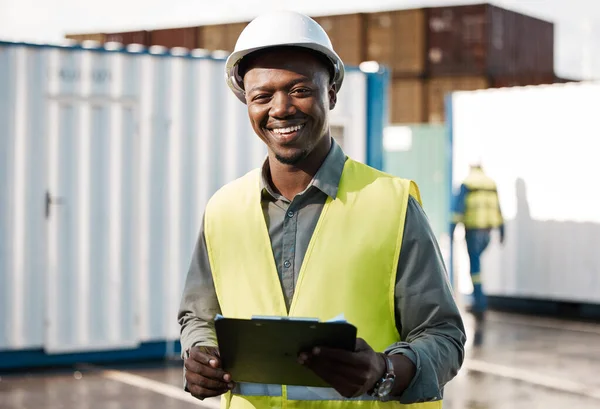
x: 288, y: 130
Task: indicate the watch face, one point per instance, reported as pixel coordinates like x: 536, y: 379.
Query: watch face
x: 386, y: 387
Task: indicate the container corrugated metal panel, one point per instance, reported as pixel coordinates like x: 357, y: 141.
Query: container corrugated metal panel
x: 457, y: 40
x: 233, y: 32
x: 544, y: 47
x: 552, y: 235
x: 349, y: 38
x: 484, y: 39
x: 380, y: 33
x: 420, y: 153
x: 130, y: 37
x: 186, y: 37
x: 407, y: 101
x: 129, y: 148
x: 214, y: 37
x: 523, y: 80
x: 347, y: 34
x: 99, y: 37
x: 397, y: 40
x: 410, y: 42
x: 23, y: 185
x: 438, y: 88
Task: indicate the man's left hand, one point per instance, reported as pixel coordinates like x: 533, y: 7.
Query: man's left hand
x: 350, y: 373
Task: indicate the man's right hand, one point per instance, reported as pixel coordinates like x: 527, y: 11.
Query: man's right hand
x: 204, y: 375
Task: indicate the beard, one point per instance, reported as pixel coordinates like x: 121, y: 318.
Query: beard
x: 292, y: 159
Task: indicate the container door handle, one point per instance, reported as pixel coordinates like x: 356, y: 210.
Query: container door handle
x: 50, y: 201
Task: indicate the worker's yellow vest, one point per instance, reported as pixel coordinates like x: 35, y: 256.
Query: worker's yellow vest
x: 482, y: 209
x: 349, y: 267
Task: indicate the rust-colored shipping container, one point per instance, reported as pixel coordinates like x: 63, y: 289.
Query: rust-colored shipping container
x: 523, y: 80
x: 175, y: 37
x: 534, y: 52
x: 349, y: 39
x: 130, y: 37
x: 437, y: 88
x: 487, y: 40
x: 99, y: 37
x: 397, y: 40
x: 233, y: 32
x: 347, y: 34
x: 407, y: 101
x: 561, y: 80
x: 380, y: 34
x: 213, y: 37
x: 219, y: 36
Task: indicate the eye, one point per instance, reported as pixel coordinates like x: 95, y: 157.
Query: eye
x: 260, y: 98
x: 301, y: 91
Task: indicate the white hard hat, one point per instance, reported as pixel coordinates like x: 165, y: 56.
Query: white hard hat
x: 280, y: 28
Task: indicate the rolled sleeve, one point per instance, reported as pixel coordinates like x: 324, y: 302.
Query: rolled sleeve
x: 428, y: 320
x: 199, y: 303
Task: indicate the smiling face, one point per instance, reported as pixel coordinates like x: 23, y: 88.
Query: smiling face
x: 289, y: 96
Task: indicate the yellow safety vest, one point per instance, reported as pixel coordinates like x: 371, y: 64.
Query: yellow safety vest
x: 482, y: 208
x: 349, y: 267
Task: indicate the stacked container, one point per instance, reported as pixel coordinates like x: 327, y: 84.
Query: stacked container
x: 428, y: 51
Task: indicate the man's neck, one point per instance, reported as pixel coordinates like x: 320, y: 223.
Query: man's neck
x: 289, y: 180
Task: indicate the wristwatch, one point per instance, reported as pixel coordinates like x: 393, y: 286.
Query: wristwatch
x: 384, y: 386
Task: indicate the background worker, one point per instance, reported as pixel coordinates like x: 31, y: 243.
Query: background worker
x: 313, y: 233
x: 477, y: 207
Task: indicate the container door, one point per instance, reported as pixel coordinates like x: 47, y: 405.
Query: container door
x: 89, y: 207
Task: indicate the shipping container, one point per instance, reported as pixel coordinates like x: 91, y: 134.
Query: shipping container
x: 536, y: 143
x: 438, y: 88
x: 397, y: 40
x: 99, y: 37
x: 487, y: 40
x: 349, y: 38
x: 420, y: 152
x: 407, y: 101
x: 106, y: 162
x: 186, y: 37
x: 220, y: 36
x: 233, y: 32
x: 380, y: 34
x: 347, y: 33
x: 214, y: 37
x: 523, y: 80
x: 130, y: 37
x: 562, y: 80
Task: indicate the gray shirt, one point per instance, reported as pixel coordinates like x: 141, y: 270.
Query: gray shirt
x: 427, y: 317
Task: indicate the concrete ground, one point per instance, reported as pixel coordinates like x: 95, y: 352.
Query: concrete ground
x: 513, y: 362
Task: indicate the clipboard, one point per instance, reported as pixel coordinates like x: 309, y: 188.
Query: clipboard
x: 265, y: 349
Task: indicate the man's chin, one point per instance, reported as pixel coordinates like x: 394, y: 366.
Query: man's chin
x: 291, y: 158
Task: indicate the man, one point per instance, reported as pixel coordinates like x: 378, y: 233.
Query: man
x: 478, y: 208
x: 315, y: 234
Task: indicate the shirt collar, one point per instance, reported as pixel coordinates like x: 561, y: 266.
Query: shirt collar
x: 327, y: 178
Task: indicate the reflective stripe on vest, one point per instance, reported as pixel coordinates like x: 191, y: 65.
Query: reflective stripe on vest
x: 293, y: 392
x: 349, y: 267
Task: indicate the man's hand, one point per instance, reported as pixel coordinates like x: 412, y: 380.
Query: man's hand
x: 204, y: 375
x: 350, y: 373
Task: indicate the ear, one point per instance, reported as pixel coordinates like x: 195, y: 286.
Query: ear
x: 332, y: 93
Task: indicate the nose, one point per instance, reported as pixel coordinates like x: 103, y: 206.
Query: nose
x: 281, y: 106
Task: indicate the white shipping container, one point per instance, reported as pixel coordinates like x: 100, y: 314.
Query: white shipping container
x: 541, y: 146
x: 107, y: 158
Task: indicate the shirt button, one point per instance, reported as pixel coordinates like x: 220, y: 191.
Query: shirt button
x: 290, y: 214
x: 287, y: 264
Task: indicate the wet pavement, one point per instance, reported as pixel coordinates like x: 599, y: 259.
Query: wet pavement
x: 513, y: 362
